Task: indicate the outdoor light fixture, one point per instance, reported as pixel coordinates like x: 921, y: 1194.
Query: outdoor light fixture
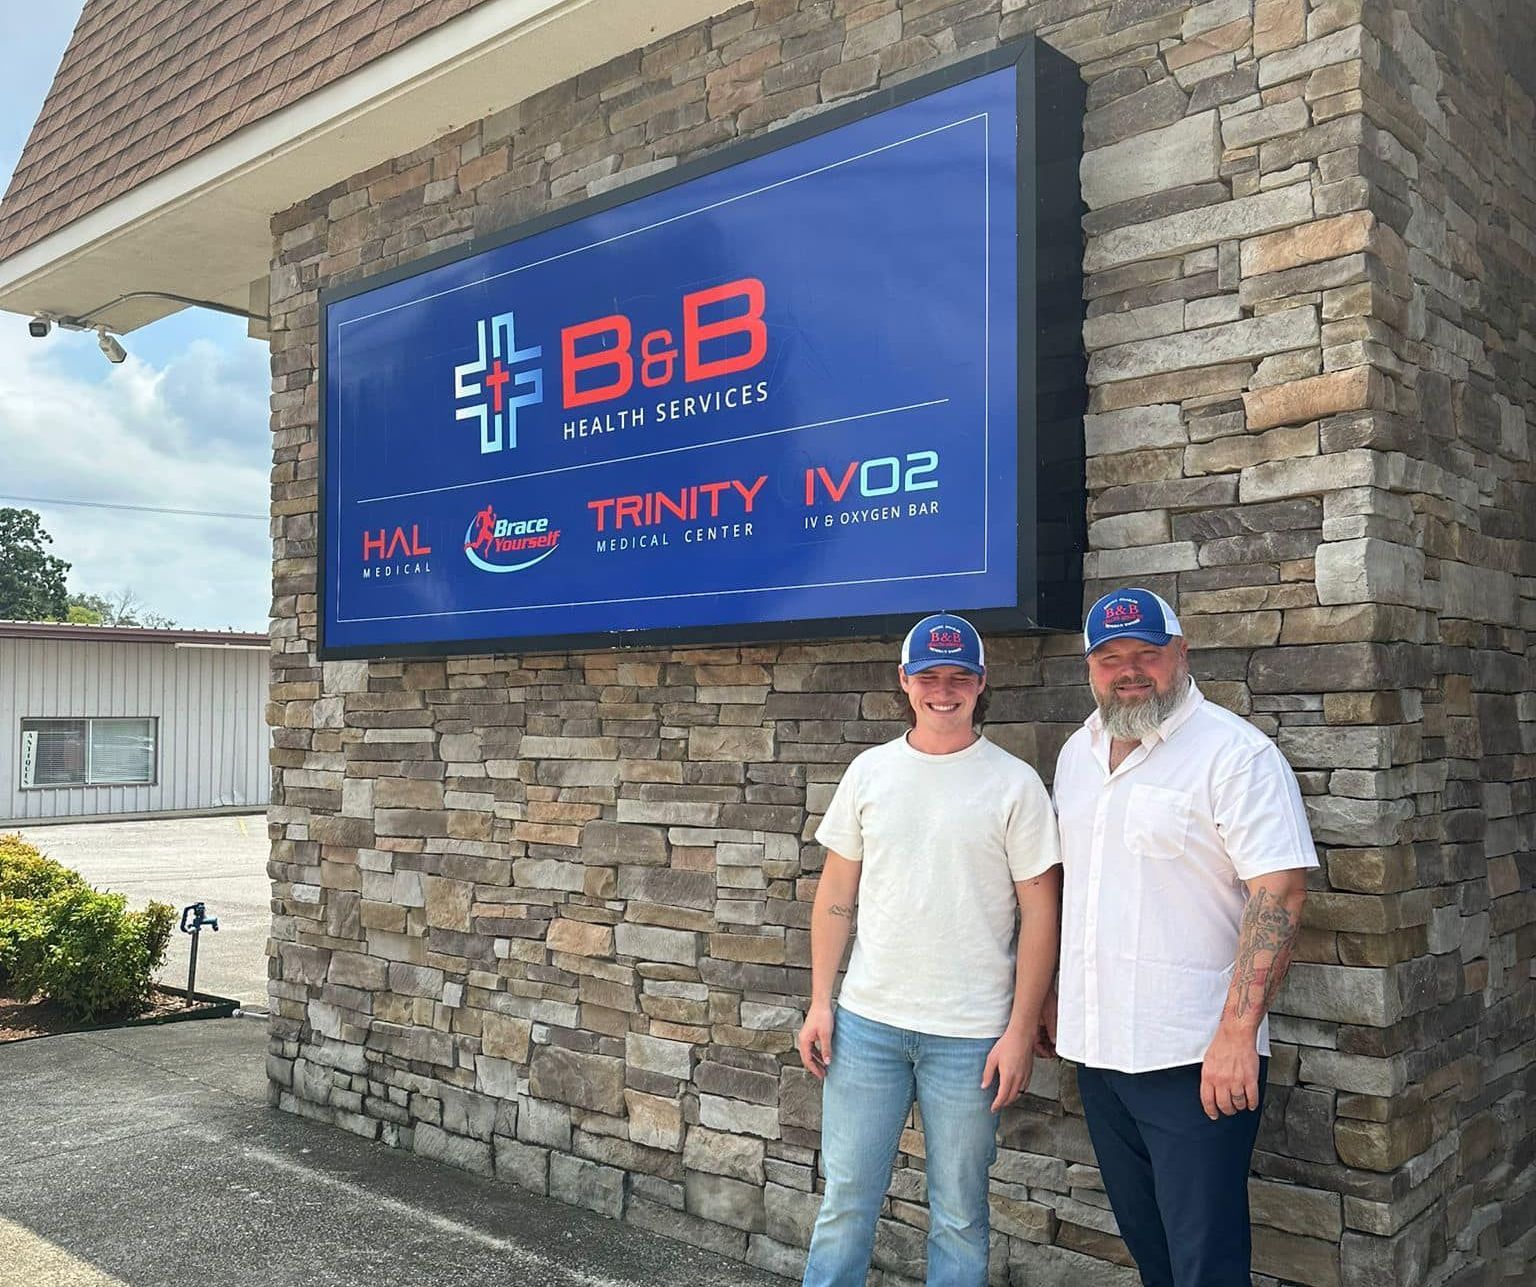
x: 39, y: 326
x: 115, y: 352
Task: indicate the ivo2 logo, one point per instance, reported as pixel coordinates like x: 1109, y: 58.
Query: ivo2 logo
x: 878, y: 480
x: 884, y: 476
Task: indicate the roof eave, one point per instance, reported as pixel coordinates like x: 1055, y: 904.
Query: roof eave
x: 201, y: 229
x: 71, y: 633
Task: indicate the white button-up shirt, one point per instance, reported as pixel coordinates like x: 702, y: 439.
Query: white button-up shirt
x: 1154, y: 856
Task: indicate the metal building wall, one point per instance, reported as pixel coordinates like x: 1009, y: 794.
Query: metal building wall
x: 210, y: 704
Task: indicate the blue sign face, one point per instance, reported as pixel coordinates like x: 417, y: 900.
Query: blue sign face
x: 785, y: 391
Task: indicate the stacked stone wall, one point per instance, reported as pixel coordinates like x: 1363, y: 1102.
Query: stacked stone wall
x: 545, y: 917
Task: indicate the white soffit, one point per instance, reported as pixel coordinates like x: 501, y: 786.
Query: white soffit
x: 201, y: 228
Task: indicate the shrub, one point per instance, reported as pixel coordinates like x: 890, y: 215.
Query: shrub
x: 27, y: 881
x: 24, y: 932
x: 25, y: 873
x: 100, y: 958
x: 79, y: 947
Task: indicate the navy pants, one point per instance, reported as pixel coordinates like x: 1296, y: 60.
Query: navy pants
x: 1178, y: 1182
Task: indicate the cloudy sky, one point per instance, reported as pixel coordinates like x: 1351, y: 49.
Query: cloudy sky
x: 182, y: 424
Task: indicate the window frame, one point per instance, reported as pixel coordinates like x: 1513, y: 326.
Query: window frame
x: 88, y: 783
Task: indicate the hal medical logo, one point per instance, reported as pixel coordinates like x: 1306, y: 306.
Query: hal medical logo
x: 497, y: 406
x: 945, y: 639
x: 498, y: 544
x: 401, y: 555
x: 1121, y: 612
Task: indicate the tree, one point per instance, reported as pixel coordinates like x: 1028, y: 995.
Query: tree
x: 88, y: 610
x: 120, y: 608
x: 31, y: 579
x: 125, y: 608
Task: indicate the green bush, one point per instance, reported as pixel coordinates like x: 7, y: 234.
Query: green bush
x: 27, y: 881
x: 24, y: 932
x: 79, y: 947
x: 25, y: 873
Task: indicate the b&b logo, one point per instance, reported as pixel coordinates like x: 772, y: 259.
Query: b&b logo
x: 1122, y: 612
x: 722, y: 332
x: 608, y: 345
x: 945, y: 639
x: 499, y: 544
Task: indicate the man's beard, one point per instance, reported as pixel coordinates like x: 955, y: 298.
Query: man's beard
x: 1130, y: 721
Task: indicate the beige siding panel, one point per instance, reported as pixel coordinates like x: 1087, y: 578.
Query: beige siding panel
x: 208, y: 704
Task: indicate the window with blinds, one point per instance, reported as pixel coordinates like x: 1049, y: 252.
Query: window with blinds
x: 87, y: 752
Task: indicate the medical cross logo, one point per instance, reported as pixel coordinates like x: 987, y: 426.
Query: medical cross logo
x: 496, y: 405
x: 1122, y: 612
x: 945, y: 639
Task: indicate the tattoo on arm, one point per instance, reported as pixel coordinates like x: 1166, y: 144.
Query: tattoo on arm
x: 1266, y: 939
x: 839, y: 909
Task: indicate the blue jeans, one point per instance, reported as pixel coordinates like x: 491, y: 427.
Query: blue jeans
x: 875, y: 1072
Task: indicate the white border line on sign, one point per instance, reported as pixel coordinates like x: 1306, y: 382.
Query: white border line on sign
x: 647, y: 455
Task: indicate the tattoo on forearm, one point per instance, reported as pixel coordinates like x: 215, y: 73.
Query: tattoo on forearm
x: 838, y: 909
x: 1266, y: 939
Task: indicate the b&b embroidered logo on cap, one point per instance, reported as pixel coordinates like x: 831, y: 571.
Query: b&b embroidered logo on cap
x: 1122, y: 612
x: 945, y: 639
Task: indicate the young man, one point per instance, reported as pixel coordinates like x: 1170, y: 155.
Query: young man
x: 935, y: 837
x: 1185, y: 848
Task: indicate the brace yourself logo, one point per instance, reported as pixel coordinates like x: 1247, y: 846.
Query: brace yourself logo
x: 508, y: 544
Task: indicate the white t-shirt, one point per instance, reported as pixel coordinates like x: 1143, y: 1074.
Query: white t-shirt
x: 942, y: 839
x: 1154, y: 856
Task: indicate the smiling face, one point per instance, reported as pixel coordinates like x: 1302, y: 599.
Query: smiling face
x: 1138, y: 684
x: 943, y: 699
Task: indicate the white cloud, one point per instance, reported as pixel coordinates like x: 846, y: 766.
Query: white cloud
x: 192, y: 434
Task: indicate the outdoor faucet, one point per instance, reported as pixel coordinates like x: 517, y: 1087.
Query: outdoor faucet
x: 198, y: 917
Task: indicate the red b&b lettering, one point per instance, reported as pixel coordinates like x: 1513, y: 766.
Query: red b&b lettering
x: 617, y: 357
x: 748, y: 323
x: 608, y: 345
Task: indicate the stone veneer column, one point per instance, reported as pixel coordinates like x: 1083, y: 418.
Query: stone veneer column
x: 545, y: 916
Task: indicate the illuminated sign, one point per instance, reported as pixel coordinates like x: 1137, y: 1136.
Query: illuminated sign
x: 823, y: 383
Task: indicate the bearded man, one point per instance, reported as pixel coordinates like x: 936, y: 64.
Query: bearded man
x: 1184, y: 849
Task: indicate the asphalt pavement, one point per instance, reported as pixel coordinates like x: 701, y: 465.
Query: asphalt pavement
x: 148, y: 1157
x: 220, y: 861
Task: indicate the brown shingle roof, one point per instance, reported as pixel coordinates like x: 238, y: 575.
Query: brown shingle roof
x: 146, y: 83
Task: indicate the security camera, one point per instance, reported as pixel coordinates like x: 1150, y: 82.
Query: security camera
x: 39, y: 327
x: 114, y: 351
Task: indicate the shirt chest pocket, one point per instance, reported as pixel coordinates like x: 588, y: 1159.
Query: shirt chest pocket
x: 1157, y: 821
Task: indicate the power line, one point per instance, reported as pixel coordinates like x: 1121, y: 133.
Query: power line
x: 141, y: 509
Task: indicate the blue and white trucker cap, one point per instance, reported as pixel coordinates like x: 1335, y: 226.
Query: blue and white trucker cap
x: 943, y: 640
x: 1130, y: 614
